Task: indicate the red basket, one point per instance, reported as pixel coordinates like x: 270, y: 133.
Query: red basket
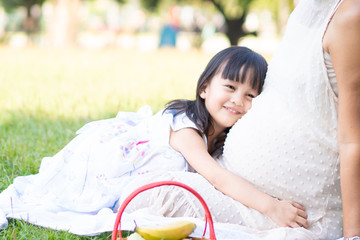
x: 208, y: 218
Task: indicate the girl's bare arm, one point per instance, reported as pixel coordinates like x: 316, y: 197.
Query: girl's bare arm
x: 192, y: 146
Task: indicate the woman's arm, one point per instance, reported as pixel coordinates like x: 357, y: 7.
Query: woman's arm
x: 285, y: 213
x: 342, y: 41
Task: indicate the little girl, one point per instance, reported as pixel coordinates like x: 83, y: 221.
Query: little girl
x: 91, y: 172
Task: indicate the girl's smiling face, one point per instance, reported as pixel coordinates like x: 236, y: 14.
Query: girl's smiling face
x: 227, y: 101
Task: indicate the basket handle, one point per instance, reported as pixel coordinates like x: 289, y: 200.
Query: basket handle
x: 208, y: 218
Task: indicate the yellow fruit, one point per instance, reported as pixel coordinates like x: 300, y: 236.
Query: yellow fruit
x: 173, y: 231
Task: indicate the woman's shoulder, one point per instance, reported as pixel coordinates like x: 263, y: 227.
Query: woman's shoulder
x: 351, y: 9
x: 348, y: 15
x: 344, y: 27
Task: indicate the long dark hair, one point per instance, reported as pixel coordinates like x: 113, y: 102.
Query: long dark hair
x: 230, y: 61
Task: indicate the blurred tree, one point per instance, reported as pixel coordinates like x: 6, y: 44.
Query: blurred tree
x: 65, y: 23
x: 31, y: 23
x: 233, y: 11
x: 280, y: 10
x: 150, y: 5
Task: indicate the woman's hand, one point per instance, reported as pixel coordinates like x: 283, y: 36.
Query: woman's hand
x: 288, y: 214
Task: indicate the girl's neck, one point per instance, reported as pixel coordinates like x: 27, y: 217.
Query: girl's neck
x: 211, y: 140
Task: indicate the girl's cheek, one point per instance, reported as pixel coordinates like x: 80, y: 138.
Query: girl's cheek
x: 249, y: 105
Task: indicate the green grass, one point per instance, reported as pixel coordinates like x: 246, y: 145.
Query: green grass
x: 22, y: 230
x: 46, y: 95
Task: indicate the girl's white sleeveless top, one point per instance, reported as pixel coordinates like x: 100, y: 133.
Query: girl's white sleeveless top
x: 287, y: 144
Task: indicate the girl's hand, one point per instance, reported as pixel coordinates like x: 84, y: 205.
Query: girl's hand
x: 288, y: 214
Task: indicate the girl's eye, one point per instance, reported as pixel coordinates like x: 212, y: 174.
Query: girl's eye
x: 231, y: 87
x: 250, y: 95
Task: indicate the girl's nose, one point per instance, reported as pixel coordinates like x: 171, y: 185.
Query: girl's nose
x: 237, y: 100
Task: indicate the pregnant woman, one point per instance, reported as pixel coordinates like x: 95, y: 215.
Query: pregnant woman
x: 301, y: 129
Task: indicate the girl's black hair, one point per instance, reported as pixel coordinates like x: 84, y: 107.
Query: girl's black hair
x: 235, y: 63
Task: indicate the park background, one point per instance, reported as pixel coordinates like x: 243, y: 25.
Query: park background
x: 64, y: 63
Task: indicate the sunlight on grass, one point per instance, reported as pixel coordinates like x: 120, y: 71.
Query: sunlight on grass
x: 94, y: 84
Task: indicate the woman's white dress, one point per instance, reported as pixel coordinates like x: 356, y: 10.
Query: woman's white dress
x: 288, y: 142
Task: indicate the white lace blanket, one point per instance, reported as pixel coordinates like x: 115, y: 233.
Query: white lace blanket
x: 51, y: 216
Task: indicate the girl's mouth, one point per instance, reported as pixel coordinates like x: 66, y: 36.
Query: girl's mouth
x: 232, y: 110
